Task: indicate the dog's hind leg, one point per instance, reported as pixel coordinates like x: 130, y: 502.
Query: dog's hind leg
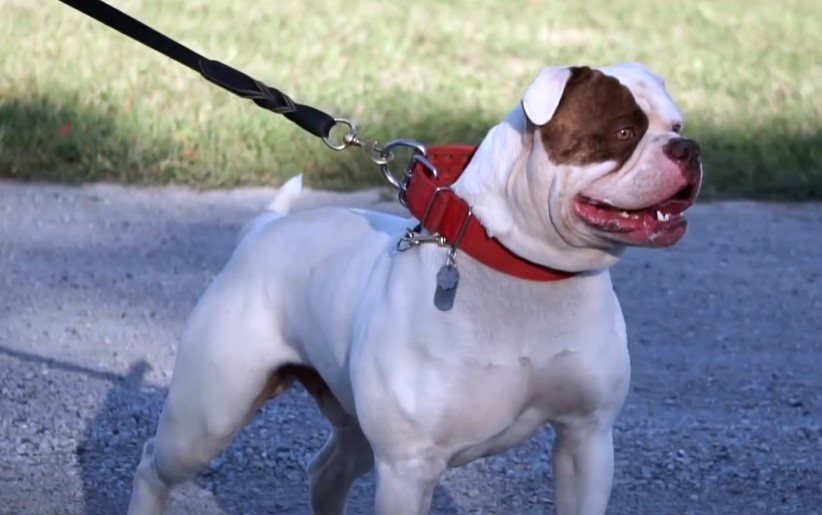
x: 229, y: 363
x: 346, y: 455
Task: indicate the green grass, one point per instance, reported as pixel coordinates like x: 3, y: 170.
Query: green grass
x: 80, y: 102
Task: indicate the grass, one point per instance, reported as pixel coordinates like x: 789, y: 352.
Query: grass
x: 80, y: 102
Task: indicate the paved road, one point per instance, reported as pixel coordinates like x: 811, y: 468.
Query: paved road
x: 725, y: 416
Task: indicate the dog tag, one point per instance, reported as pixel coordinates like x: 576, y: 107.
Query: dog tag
x: 447, y: 279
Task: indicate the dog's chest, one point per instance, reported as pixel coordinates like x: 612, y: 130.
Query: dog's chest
x: 559, y: 367
x: 569, y: 387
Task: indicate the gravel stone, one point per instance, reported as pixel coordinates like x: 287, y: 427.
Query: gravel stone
x: 724, y: 417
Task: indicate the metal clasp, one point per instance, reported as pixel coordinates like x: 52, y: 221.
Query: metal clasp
x: 411, y: 239
x: 377, y: 154
x: 384, y: 155
x: 419, y: 151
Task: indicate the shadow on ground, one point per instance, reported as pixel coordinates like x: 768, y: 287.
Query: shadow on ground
x: 57, y: 139
x: 147, y: 275
x: 112, y: 442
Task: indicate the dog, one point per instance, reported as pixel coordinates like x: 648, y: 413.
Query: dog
x: 418, y: 371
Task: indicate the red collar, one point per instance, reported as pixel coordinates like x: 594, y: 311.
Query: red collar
x: 432, y: 201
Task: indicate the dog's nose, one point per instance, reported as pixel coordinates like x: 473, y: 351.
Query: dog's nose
x: 682, y: 149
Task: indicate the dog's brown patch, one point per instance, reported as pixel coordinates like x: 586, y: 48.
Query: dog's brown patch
x: 586, y: 126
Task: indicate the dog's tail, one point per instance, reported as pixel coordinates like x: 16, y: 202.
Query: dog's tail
x: 288, y: 194
x: 279, y: 206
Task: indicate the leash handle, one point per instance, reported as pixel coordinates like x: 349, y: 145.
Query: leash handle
x: 308, y: 118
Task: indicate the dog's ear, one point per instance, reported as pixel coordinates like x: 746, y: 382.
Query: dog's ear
x: 542, y: 96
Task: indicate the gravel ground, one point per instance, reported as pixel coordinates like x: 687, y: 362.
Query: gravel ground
x: 725, y: 416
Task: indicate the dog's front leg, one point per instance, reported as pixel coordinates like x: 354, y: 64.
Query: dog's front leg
x: 565, y: 477
x: 406, y: 486
x: 583, y: 462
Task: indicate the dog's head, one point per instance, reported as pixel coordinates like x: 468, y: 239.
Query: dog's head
x: 591, y: 161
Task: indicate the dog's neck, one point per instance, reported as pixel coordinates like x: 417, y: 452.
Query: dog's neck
x: 483, y: 184
x: 496, y: 187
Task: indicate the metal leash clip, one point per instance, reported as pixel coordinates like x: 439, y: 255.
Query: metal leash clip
x: 384, y: 155
x: 413, y: 237
x: 377, y: 154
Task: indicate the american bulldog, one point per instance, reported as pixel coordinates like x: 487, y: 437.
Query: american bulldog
x: 418, y: 370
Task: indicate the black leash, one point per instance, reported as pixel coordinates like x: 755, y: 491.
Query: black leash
x: 308, y: 118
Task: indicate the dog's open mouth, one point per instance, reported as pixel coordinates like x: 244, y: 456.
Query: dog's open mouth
x: 659, y: 224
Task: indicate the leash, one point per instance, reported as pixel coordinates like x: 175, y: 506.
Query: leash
x: 424, y: 187
x: 310, y: 119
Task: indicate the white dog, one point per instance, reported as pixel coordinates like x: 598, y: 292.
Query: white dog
x: 418, y: 368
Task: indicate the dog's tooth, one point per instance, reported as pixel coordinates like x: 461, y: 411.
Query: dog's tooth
x: 659, y: 216
x: 624, y: 214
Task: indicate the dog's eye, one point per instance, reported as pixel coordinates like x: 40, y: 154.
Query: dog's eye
x: 625, y: 134
x: 677, y: 128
